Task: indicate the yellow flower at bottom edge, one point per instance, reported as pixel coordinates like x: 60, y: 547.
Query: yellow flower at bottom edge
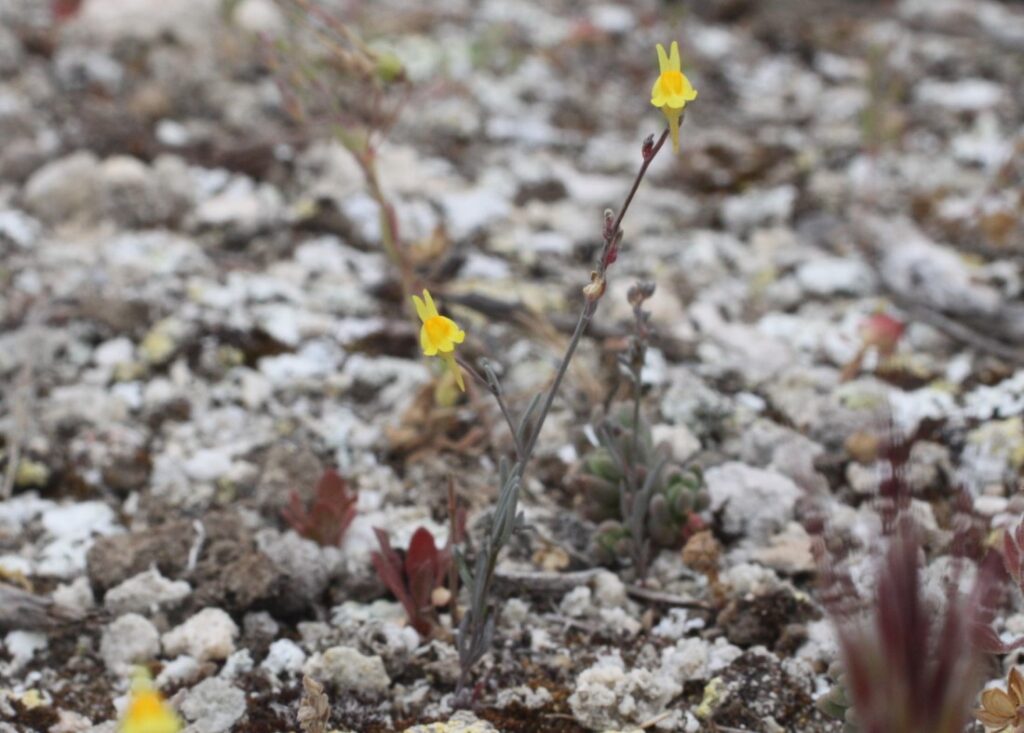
x: 147, y: 711
x: 439, y: 335
x: 672, y: 90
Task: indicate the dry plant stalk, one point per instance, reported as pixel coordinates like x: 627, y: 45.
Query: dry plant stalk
x: 314, y: 708
x: 330, y: 78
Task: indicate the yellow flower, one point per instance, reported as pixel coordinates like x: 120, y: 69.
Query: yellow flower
x: 147, y: 712
x: 672, y: 90
x: 439, y: 334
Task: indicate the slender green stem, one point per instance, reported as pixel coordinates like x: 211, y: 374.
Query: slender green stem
x: 637, y: 395
x: 477, y: 615
x: 511, y: 424
x: 499, y: 396
x: 589, y: 308
x: 581, y: 326
x: 639, y: 177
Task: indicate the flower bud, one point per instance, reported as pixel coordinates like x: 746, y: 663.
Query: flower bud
x: 639, y: 292
x: 595, y: 289
x: 609, y: 225
x: 647, y: 149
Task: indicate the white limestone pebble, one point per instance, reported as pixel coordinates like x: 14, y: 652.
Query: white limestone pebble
x: 128, y: 640
x: 209, y: 635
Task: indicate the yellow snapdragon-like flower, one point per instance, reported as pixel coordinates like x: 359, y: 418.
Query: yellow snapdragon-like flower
x: 439, y: 335
x: 672, y: 90
x: 147, y: 711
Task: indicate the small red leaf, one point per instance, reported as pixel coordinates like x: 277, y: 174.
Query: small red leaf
x: 388, y: 565
x: 421, y: 566
x: 330, y: 513
x: 65, y: 9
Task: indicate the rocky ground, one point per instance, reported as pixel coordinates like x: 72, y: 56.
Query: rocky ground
x: 198, y: 318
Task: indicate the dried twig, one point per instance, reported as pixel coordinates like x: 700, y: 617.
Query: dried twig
x: 314, y: 708
x: 668, y: 599
x: 959, y: 331
x: 542, y: 582
x: 20, y: 609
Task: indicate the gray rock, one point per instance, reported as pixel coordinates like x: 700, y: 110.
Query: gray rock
x: 113, y: 560
x: 146, y: 592
x: 289, y: 466
x: 64, y: 189
x: 684, y: 444
x: 213, y: 706
x: 21, y: 646
x: 75, y: 596
x: 788, y: 552
x: 230, y: 573
x: 347, y: 670
x: 259, y: 629
x: 128, y: 640
x: 18, y: 227
x: 462, y: 722
x: 285, y: 656
x: 183, y: 670
x: 754, y: 502
x: 137, y: 195
x: 302, y: 565
x: 11, y: 52
x: 190, y: 21
x: 78, y: 69
x: 690, y: 401
x: 766, y: 689
x: 926, y: 272
x: 208, y: 635
x: 239, y: 663
x: 687, y: 660
x: 614, y: 19
x: 963, y: 95
x: 607, y: 696
x: 758, y: 207
x: 262, y: 17
x: 467, y: 211
x: 243, y: 207
x: 746, y: 350
x: 836, y: 276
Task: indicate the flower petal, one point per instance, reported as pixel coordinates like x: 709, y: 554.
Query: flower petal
x: 421, y: 307
x: 663, y: 64
x: 431, y: 308
x: 989, y: 720
x: 429, y: 349
x: 673, y: 61
x: 658, y: 98
x: 1016, y: 686
x: 997, y: 702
